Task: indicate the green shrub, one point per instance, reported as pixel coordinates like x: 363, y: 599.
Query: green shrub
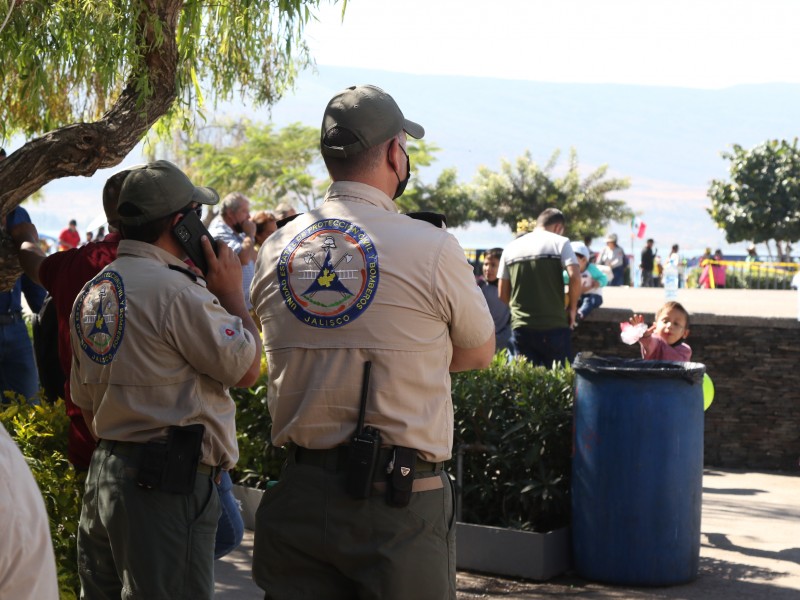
x: 522, y: 416
x: 523, y: 413
x: 259, y: 461
x: 41, y: 434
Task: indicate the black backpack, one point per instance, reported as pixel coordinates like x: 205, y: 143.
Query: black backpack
x: 45, y: 349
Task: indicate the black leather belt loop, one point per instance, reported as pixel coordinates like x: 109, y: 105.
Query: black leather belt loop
x: 9, y: 318
x: 335, y: 459
x: 135, y: 449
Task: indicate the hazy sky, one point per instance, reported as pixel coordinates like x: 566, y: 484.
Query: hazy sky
x: 685, y: 43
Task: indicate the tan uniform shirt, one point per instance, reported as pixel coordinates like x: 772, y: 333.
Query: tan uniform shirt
x: 353, y: 281
x: 152, y: 347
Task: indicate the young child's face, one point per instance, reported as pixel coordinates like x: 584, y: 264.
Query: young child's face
x: 490, y: 265
x: 582, y: 261
x: 671, y: 326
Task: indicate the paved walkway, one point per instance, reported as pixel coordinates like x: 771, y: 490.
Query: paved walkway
x: 750, y: 548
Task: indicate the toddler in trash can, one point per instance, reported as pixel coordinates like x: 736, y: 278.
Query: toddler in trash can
x: 663, y: 340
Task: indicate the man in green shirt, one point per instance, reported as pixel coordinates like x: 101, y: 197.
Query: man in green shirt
x: 531, y: 283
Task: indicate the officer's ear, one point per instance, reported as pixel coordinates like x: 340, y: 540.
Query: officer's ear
x: 395, y: 155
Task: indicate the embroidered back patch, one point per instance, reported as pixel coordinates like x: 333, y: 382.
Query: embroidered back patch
x: 99, y: 319
x: 328, y: 274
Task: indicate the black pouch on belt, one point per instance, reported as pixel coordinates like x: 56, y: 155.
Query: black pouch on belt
x: 172, y: 466
x: 151, y: 465
x: 183, y: 455
x: 401, y: 477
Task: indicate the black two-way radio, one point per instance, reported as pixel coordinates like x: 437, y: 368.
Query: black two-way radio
x: 364, y: 448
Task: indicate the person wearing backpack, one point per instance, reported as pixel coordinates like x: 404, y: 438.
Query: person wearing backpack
x: 63, y: 274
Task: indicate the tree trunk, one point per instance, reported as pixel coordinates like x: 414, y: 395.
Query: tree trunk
x: 83, y: 148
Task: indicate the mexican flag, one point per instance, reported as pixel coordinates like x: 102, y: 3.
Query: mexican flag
x: 637, y: 227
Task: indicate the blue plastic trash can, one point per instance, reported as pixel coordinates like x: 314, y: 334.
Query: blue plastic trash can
x: 637, y: 470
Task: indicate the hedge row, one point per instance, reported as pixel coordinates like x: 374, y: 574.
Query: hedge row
x: 512, y: 421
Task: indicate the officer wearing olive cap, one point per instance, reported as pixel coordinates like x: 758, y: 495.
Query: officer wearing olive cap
x: 155, y: 349
x: 348, y: 283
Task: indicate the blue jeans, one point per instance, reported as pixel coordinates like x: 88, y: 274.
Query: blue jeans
x: 230, y: 528
x: 587, y: 303
x: 17, y: 364
x: 544, y: 347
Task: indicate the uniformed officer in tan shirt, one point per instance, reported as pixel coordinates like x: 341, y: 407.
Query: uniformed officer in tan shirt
x: 155, y: 349
x: 353, y: 282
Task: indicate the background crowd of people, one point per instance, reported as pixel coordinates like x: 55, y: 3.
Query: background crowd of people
x: 353, y: 313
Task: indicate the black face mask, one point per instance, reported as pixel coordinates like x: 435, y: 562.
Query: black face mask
x: 402, y: 183
x: 237, y: 227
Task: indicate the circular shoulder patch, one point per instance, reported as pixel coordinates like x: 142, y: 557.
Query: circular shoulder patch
x: 328, y: 274
x: 100, y: 317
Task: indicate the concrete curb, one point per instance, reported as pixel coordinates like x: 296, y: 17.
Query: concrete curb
x: 750, y: 548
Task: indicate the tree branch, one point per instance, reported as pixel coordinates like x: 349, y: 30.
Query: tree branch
x: 83, y: 148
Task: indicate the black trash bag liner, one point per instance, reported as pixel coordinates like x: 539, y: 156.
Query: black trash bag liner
x: 587, y: 363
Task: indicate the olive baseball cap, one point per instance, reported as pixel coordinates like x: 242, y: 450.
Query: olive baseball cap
x: 156, y: 190
x: 370, y: 114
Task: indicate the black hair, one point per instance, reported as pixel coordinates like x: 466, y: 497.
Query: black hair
x: 550, y: 216
x: 347, y: 167
x: 152, y: 230
x: 493, y: 253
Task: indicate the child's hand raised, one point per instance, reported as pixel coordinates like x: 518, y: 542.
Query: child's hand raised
x: 638, y: 320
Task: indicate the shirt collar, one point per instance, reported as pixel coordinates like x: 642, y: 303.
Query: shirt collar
x: 218, y: 224
x: 355, y: 191
x: 145, y: 250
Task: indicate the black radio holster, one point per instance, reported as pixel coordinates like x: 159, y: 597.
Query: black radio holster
x: 172, y: 466
x: 400, y: 481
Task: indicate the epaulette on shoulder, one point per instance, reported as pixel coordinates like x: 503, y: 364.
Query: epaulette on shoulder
x: 437, y: 219
x: 189, y: 273
x: 286, y: 220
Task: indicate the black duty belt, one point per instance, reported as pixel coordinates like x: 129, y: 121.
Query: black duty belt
x: 11, y: 317
x: 135, y: 449
x: 335, y: 459
x: 427, y: 476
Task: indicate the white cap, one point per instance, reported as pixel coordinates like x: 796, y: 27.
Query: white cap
x: 580, y: 248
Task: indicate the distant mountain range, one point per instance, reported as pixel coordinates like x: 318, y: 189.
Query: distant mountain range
x: 666, y: 140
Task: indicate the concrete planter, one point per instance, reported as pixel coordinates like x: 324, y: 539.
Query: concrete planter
x: 249, y: 498
x: 511, y: 552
